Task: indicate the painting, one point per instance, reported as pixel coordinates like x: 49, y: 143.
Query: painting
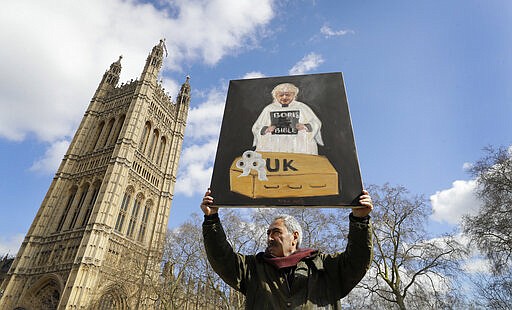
x: 286, y: 142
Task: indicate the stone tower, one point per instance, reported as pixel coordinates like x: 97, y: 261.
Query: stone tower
x: 99, y: 233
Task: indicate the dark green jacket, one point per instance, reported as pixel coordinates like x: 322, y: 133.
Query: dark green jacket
x: 319, y: 282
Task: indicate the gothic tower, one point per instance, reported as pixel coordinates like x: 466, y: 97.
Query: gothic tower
x: 99, y: 233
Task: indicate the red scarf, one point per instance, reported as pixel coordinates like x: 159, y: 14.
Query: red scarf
x: 290, y: 260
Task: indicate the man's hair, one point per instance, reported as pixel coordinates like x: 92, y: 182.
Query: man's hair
x: 292, y: 225
x: 283, y: 86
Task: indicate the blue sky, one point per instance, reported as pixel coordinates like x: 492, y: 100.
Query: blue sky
x: 428, y: 84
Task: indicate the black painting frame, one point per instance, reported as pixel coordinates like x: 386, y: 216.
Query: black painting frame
x: 325, y: 94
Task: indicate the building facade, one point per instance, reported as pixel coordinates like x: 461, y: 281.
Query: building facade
x: 98, y: 235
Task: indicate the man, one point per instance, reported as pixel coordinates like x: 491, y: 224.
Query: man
x: 287, y: 125
x: 286, y: 276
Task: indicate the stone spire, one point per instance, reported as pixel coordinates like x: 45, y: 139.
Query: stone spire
x: 154, y: 62
x: 110, y: 79
x: 184, y: 94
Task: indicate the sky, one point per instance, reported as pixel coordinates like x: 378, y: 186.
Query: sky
x: 428, y: 84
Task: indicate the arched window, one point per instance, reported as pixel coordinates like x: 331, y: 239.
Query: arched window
x: 134, y: 215
x: 108, y: 132
x: 78, y: 208
x: 145, y: 136
x: 119, y: 126
x: 71, y: 197
x: 97, y: 136
x: 152, y: 145
x: 112, y: 300
x: 45, y: 294
x: 144, y: 222
x: 122, y: 211
x: 161, y: 150
x: 90, y: 205
x: 48, y: 296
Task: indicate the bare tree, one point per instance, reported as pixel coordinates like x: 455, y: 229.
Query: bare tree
x: 493, y: 291
x: 410, y: 269
x: 491, y: 228
x: 5, y: 264
x: 321, y: 229
x: 187, y: 281
x: 129, y: 281
x: 182, y: 252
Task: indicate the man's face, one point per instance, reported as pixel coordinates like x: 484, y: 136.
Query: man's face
x: 280, y: 242
x: 285, y: 96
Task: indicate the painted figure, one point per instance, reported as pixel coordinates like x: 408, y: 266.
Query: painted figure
x: 287, y: 125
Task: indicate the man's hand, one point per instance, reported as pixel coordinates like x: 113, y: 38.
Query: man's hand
x: 366, y: 201
x: 207, y: 204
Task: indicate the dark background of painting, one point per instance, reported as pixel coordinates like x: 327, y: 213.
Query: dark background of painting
x: 325, y: 95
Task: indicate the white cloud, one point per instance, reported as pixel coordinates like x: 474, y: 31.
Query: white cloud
x: 309, y: 62
x: 475, y: 262
x: 467, y: 166
x: 201, y: 137
x: 10, y: 244
x: 210, y: 29
x: 199, y: 153
x: 172, y: 87
x: 204, y: 120
x: 193, y: 178
x: 54, y: 52
x: 52, y: 56
x: 426, y: 281
x: 52, y: 157
x: 451, y: 204
x: 253, y: 75
x: 328, y: 32
x: 476, y: 265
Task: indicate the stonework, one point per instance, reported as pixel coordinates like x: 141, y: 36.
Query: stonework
x: 99, y: 233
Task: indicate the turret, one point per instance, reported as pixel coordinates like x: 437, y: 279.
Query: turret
x: 154, y: 62
x: 110, y: 78
x: 184, y: 94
